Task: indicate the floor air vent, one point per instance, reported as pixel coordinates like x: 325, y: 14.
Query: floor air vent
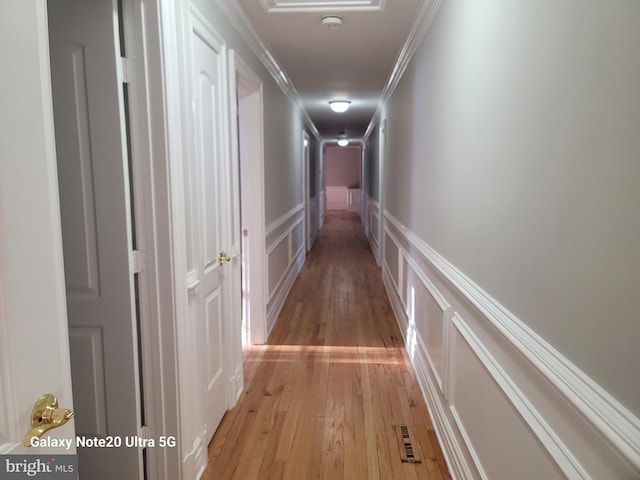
x: 407, y: 453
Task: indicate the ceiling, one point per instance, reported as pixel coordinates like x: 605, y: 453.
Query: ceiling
x: 352, y: 62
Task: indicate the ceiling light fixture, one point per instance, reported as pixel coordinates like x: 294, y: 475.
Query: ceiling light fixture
x: 331, y: 21
x: 343, y: 142
x: 339, y: 105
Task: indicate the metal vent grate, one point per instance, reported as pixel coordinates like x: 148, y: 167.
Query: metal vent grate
x: 407, y: 452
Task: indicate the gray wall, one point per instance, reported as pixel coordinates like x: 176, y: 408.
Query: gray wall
x: 514, y: 151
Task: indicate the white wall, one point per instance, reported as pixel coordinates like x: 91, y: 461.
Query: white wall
x: 514, y: 146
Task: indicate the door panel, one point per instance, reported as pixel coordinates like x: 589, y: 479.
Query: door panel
x: 96, y: 225
x: 76, y: 180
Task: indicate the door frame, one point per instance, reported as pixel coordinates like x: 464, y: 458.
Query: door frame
x: 382, y: 138
x: 306, y: 188
x: 251, y: 180
x: 150, y: 158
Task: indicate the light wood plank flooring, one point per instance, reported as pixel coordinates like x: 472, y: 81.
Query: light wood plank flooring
x: 325, y: 398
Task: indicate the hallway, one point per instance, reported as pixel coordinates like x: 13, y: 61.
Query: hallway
x: 323, y: 398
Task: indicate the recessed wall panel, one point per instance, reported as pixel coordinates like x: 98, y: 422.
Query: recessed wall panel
x: 278, y: 261
x: 87, y: 365
x: 373, y: 225
x: 213, y: 325
x: 75, y: 169
x: 297, y: 238
x: 391, y: 258
x: 208, y: 166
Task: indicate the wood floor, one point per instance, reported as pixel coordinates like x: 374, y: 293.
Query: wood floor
x: 326, y: 396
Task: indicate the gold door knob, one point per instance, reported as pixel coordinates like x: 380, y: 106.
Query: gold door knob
x: 45, y: 416
x: 223, y: 258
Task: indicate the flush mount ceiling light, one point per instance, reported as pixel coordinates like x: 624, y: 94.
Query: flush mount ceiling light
x: 331, y: 21
x: 339, y: 105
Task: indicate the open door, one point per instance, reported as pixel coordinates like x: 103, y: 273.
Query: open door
x: 88, y: 85
x: 34, y: 350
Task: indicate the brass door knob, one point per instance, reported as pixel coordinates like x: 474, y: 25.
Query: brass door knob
x: 223, y: 258
x: 45, y: 416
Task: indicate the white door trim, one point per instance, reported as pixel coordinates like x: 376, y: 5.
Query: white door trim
x: 306, y: 189
x: 150, y: 151
x: 382, y: 138
x: 250, y: 115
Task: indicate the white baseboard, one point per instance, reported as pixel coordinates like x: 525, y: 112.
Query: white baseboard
x: 554, y: 421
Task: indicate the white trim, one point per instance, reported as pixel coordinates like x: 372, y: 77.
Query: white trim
x: 152, y: 221
x: 605, y: 414
x: 252, y: 196
x: 306, y: 188
x: 168, y: 96
x: 382, y: 158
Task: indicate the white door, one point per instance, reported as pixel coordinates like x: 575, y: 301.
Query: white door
x: 207, y: 220
x: 34, y: 352
x: 97, y: 231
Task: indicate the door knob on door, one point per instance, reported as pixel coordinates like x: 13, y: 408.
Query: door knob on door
x: 223, y: 258
x: 45, y: 416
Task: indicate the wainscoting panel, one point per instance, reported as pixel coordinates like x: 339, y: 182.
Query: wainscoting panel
x: 505, y: 404
x: 391, y: 258
x: 285, y: 257
x: 277, y: 263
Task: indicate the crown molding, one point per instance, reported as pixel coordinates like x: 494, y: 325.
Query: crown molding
x: 241, y: 22
x: 424, y: 18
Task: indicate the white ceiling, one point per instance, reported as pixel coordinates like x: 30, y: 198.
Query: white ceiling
x: 351, y: 62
